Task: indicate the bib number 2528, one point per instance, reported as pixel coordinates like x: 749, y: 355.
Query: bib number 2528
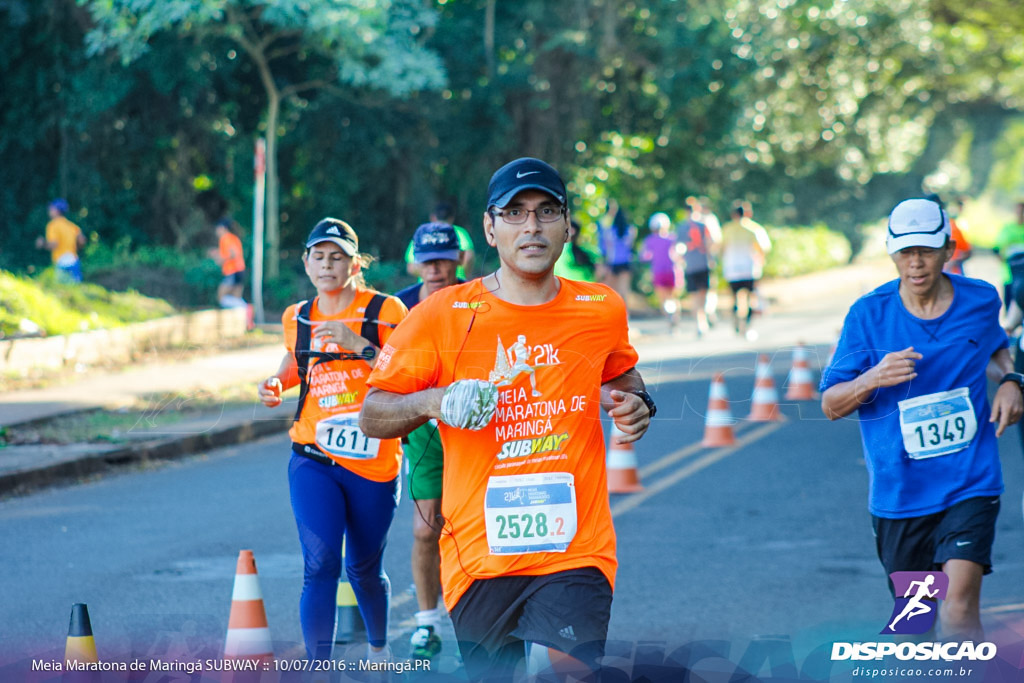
x: 531, y: 513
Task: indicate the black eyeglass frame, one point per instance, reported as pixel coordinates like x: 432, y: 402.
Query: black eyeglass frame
x: 563, y: 211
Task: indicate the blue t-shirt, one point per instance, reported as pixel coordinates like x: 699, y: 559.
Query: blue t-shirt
x: 410, y: 296
x: 956, y: 348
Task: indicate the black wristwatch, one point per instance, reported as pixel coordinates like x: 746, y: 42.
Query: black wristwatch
x: 1014, y: 377
x: 368, y: 353
x: 649, y: 402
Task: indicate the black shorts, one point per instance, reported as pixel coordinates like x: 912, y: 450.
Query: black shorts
x: 567, y: 611
x: 698, y: 282
x: 234, y: 279
x: 740, y: 285
x: 922, y: 544
x: 617, y: 268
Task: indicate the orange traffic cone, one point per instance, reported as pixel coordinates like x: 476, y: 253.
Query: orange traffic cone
x: 764, y: 403
x: 622, y: 474
x: 719, y: 421
x: 248, y: 635
x: 801, y: 381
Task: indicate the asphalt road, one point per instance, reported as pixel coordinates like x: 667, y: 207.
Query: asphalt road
x: 769, y: 541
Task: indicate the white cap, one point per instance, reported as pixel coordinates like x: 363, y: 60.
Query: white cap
x: 658, y: 221
x: 917, y: 223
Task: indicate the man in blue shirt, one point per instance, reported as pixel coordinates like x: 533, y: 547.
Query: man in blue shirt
x: 436, y: 250
x: 912, y: 361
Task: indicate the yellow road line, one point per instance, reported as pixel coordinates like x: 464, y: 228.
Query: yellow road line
x: 636, y: 500
x: 399, y: 600
x: 654, y: 379
x: 999, y: 609
x: 682, y: 454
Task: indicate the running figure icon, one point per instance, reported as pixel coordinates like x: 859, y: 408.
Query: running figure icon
x: 916, y: 607
x: 505, y: 373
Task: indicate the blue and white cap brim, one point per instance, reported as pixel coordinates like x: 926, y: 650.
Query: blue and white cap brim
x: 424, y: 256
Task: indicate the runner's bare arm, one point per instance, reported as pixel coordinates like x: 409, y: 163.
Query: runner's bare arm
x: 1008, y: 403
x: 287, y: 376
x: 626, y: 409
x: 999, y: 364
x: 387, y: 415
x: 895, y: 368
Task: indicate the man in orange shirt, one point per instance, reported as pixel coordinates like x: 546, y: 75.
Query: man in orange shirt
x: 63, y: 239
x: 232, y: 265
x: 515, y: 367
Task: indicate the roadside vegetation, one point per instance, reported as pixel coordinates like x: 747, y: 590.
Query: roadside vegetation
x: 40, y: 306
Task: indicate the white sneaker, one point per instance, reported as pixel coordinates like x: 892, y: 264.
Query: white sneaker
x: 379, y: 663
x: 382, y: 655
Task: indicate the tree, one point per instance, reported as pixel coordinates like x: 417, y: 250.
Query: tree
x: 851, y: 107
x: 297, y: 46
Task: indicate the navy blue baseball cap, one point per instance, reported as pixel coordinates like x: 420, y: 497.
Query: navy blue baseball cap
x: 60, y: 204
x: 334, y: 230
x: 435, y: 241
x: 524, y: 174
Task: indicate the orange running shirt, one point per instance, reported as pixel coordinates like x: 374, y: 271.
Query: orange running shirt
x: 230, y: 248
x: 514, y: 491
x: 962, y: 245
x: 64, y: 234
x: 336, y: 393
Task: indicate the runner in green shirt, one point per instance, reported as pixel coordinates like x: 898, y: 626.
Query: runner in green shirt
x: 576, y: 262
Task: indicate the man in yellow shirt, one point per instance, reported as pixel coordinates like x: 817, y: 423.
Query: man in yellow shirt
x: 63, y: 238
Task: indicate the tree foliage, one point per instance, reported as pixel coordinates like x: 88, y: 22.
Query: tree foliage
x: 144, y: 112
x: 365, y: 43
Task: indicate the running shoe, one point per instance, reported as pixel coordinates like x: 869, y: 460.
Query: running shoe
x: 425, y: 643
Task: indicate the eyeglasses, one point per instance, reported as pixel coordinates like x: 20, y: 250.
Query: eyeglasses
x: 549, y: 213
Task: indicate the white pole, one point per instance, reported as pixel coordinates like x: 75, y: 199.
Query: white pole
x: 260, y: 179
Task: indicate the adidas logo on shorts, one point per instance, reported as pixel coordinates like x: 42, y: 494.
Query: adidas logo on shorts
x: 568, y: 633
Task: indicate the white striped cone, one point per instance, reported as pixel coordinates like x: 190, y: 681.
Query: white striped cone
x: 800, y: 385
x: 718, y: 421
x: 248, y: 635
x: 622, y: 465
x: 764, y: 403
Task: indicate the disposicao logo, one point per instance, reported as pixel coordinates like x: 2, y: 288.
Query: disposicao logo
x: 917, y: 605
x: 914, y: 613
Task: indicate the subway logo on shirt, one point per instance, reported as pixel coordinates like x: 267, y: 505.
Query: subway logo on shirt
x: 524, y: 447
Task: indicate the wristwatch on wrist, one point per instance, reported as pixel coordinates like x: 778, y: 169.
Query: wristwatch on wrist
x: 649, y: 402
x: 1014, y: 377
x: 369, y: 352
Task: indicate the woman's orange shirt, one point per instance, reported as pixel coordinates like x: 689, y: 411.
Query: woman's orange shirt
x: 337, y: 389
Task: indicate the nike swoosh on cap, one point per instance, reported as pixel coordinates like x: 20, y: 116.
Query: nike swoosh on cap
x: 960, y: 544
x: 520, y: 174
